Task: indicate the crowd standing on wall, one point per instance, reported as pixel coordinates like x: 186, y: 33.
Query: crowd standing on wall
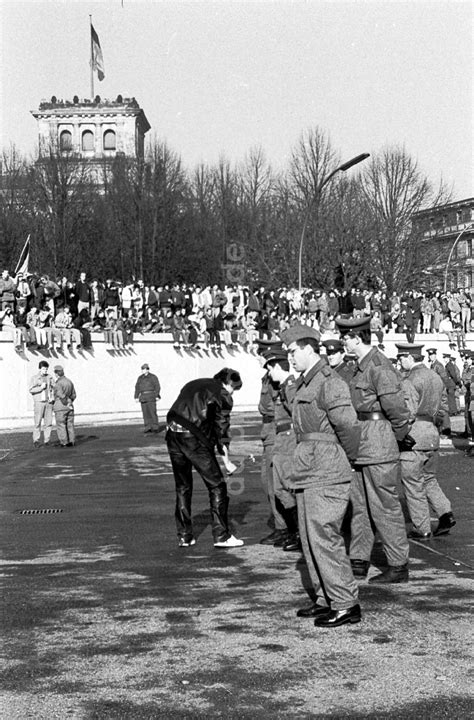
x: 42, y: 312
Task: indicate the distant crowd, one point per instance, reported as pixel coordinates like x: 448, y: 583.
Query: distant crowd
x: 41, y: 312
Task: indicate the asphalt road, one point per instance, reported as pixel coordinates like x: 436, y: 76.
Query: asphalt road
x: 103, y: 616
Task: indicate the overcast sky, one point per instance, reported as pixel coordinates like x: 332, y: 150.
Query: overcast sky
x: 223, y: 77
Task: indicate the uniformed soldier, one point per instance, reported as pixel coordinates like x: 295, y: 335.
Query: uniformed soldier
x: 439, y: 369
x: 277, y: 365
x: 327, y: 434
x: 453, y: 382
x: 467, y: 381
x: 358, y: 516
x: 338, y: 360
x: 378, y: 399
x: 419, y: 465
x: 266, y: 408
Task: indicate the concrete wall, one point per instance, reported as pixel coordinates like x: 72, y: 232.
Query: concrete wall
x: 105, y: 379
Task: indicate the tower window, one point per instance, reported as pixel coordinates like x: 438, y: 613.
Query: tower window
x: 109, y: 140
x: 88, y: 140
x: 65, y: 141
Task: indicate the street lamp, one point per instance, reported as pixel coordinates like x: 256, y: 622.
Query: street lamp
x: 345, y: 166
x: 468, y: 227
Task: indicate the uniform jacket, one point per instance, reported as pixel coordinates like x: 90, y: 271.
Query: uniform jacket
x: 376, y: 387
x: 147, y: 388
x: 430, y: 400
x: 345, y: 370
x: 453, y: 375
x: 64, y: 394
x: 203, y: 407
x: 440, y: 370
x: 322, y: 405
x: 266, y: 408
x: 39, y: 393
x: 285, y: 439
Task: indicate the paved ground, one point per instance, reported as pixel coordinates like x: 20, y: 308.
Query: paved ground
x: 104, y: 617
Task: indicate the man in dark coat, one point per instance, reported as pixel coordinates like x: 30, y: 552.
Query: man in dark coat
x: 147, y: 392
x: 198, y: 425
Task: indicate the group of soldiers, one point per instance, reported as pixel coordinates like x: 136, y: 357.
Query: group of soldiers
x: 341, y: 425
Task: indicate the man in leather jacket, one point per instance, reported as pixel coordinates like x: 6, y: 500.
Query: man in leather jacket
x: 198, y: 425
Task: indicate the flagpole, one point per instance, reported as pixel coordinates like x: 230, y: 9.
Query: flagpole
x: 92, y: 60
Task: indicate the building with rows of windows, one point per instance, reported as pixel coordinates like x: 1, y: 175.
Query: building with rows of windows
x: 447, y: 233
x: 94, y: 131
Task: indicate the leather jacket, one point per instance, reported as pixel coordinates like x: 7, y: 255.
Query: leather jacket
x: 203, y: 407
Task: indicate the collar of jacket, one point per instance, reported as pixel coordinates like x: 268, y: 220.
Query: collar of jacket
x: 309, y: 375
x: 367, y: 359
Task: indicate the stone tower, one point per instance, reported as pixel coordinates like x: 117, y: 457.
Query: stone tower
x: 92, y: 131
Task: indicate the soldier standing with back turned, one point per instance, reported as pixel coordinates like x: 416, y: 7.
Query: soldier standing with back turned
x: 378, y: 399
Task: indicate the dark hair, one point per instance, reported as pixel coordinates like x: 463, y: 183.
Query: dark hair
x: 365, y: 335
x: 283, y: 363
x: 227, y: 376
x: 43, y: 363
x: 312, y: 342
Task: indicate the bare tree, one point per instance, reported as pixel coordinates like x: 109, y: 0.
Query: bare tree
x: 15, y: 210
x: 394, y: 189
x: 62, y: 193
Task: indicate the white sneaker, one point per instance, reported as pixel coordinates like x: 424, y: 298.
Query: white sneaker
x: 183, y: 543
x: 229, y: 543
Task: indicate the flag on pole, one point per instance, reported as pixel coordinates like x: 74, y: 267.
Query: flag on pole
x: 24, y: 259
x: 97, y: 58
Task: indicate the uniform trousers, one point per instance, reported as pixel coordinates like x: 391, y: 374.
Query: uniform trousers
x: 383, y: 512
x: 320, y: 514
x: 43, y: 413
x: 362, y: 529
x: 453, y: 407
x: 65, y: 426
x: 186, y: 452
x: 421, y: 487
x: 266, y: 475
x: 150, y: 418
x: 283, y: 462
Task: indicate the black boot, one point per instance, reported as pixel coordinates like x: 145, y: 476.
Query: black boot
x: 446, y: 522
x: 292, y: 543
x: 393, y: 574
x: 275, y: 536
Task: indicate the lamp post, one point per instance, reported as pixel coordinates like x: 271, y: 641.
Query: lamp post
x: 458, y: 237
x: 345, y: 166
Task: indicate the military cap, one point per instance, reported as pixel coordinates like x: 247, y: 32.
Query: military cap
x: 447, y: 354
x: 333, y: 346
x: 413, y: 349
x: 431, y: 351
x: 58, y: 369
x: 299, y: 332
x: 145, y: 366
x: 353, y: 324
x: 275, y: 355
x: 264, y: 346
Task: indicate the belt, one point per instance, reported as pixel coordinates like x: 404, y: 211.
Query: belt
x: 174, y: 427
x: 322, y: 437
x: 371, y: 416
x: 426, y: 418
x: 267, y: 419
x: 283, y: 427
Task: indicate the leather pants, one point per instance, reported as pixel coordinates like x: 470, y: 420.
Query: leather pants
x: 186, y: 452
